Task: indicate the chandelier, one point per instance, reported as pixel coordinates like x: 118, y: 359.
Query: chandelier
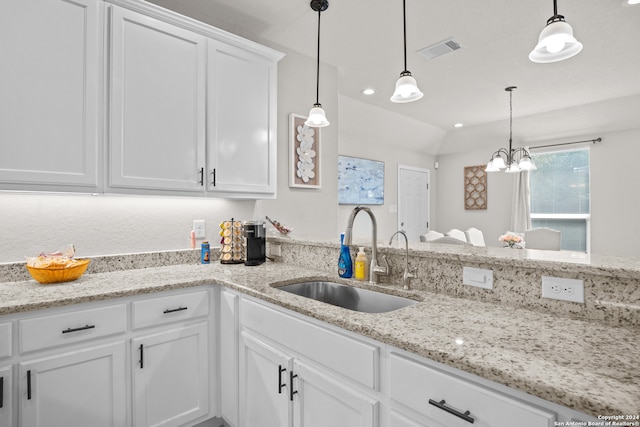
x: 514, y: 159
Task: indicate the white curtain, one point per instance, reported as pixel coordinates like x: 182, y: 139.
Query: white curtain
x: 520, y: 209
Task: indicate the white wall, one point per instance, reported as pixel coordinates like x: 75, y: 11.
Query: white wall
x: 373, y: 133
x: 614, y: 195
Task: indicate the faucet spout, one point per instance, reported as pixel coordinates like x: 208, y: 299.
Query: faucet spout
x: 375, y: 269
x: 407, y: 276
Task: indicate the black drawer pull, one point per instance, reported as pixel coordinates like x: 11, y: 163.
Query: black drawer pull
x: 291, y: 390
x: 29, y: 384
x: 465, y: 416
x: 280, y: 385
x: 173, y: 310
x: 1, y: 392
x: 82, y: 328
x: 141, y: 348
x: 201, y: 179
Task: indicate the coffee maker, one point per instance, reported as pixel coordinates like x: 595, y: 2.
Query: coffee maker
x: 255, y: 242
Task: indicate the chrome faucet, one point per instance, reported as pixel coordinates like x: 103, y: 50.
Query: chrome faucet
x: 407, y: 276
x: 375, y: 270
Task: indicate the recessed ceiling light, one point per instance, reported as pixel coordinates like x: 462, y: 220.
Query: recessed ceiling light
x: 458, y: 125
x: 368, y: 91
x: 633, y: 1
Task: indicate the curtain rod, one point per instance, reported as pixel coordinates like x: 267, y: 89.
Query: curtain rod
x: 566, y: 143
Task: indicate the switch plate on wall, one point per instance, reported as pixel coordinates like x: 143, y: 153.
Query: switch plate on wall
x: 563, y: 289
x: 198, y: 227
x: 477, y: 277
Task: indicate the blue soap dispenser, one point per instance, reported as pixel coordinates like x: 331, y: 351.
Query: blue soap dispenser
x: 345, y: 267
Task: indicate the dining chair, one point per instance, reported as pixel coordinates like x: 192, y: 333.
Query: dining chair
x: 475, y: 236
x: 543, y: 238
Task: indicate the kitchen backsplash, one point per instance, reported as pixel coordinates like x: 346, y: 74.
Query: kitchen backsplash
x: 612, y: 294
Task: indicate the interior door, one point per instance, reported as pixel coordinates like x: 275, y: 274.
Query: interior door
x: 413, y: 201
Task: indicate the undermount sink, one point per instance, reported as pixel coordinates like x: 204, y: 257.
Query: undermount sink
x: 345, y: 296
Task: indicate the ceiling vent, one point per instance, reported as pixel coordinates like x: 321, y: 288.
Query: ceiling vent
x: 440, y: 48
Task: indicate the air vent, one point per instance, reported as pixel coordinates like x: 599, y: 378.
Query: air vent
x: 440, y: 48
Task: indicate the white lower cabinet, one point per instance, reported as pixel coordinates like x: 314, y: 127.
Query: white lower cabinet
x: 294, y: 372
x: 450, y: 401
x: 277, y: 389
x: 171, y: 376
x: 79, y: 388
x: 6, y: 401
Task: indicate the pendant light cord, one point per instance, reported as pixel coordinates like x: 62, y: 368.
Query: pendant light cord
x: 318, y: 64
x: 510, y: 155
x: 404, y: 24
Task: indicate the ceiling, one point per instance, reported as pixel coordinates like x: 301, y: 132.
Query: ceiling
x: 363, y: 40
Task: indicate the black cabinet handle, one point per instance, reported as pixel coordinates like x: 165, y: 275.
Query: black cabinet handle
x: 82, y: 328
x: 173, y: 310
x: 201, y: 180
x: 213, y: 177
x: 1, y: 392
x: 280, y: 385
x: 141, y: 349
x: 291, y: 390
x: 441, y: 404
x: 29, y: 384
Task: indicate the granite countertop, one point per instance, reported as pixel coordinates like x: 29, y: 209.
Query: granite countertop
x: 585, y: 365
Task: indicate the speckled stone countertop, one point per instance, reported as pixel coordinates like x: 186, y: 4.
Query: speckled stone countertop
x: 585, y: 365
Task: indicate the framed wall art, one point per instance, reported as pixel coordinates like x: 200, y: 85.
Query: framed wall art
x: 360, y: 181
x: 304, y: 153
x: 475, y: 187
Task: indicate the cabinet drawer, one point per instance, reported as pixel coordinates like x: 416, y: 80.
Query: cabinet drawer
x: 415, y: 385
x: 66, y: 328
x: 349, y: 357
x: 156, y: 311
x: 5, y: 340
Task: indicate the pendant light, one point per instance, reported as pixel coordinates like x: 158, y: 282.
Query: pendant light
x: 406, y: 86
x: 515, y: 159
x: 317, y: 118
x: 556, y: 41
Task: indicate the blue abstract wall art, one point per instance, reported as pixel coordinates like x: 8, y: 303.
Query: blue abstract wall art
x: 360, y: 181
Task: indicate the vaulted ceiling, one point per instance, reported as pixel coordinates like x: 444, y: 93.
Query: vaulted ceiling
x: 363, y: 40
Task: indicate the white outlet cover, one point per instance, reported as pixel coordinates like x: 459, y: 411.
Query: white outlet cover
x: 198, y: 227
x: 562, y: 289
x: 478, y: 277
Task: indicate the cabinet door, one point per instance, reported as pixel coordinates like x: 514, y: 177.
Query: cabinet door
x: 6, y: 394
x: 49, y: 87
x: 321, y: 400
x: 171, y: 376
x: 265, y: 372
x: 81, y: 388
x: 241, y: 121
x: 157, y: 126
x: 229, y: 348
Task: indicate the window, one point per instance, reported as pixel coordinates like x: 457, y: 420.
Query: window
x: 560, y: 195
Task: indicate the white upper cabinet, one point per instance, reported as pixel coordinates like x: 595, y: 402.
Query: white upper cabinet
x: 241, y: 121
x: 157, y: 88
x: 50, y: 92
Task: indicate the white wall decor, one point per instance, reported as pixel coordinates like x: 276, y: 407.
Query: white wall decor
x: 304, y: 153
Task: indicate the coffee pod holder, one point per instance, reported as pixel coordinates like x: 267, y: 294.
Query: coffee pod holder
x: 232, y: 249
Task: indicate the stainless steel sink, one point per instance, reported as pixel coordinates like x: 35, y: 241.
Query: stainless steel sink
x: 345, y: 296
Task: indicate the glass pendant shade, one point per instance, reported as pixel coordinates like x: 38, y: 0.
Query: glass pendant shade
x: 498, y: 163
x: 513, y: 168
x: 556, y: 42
x: 526, y: 164
x: 317, y: 118
x: 491, y: 167
x: 406, y: 89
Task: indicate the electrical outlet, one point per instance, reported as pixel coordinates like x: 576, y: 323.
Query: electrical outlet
x: 198, y: 227
x: 563, y: 289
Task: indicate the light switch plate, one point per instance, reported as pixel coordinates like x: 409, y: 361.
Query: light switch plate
x: 478, y: 277
x: 563, y: 289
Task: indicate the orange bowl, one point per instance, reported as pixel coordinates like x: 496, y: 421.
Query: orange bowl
x: 59, y: 275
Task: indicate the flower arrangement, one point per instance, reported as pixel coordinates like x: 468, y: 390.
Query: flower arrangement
x: 511, y: 240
